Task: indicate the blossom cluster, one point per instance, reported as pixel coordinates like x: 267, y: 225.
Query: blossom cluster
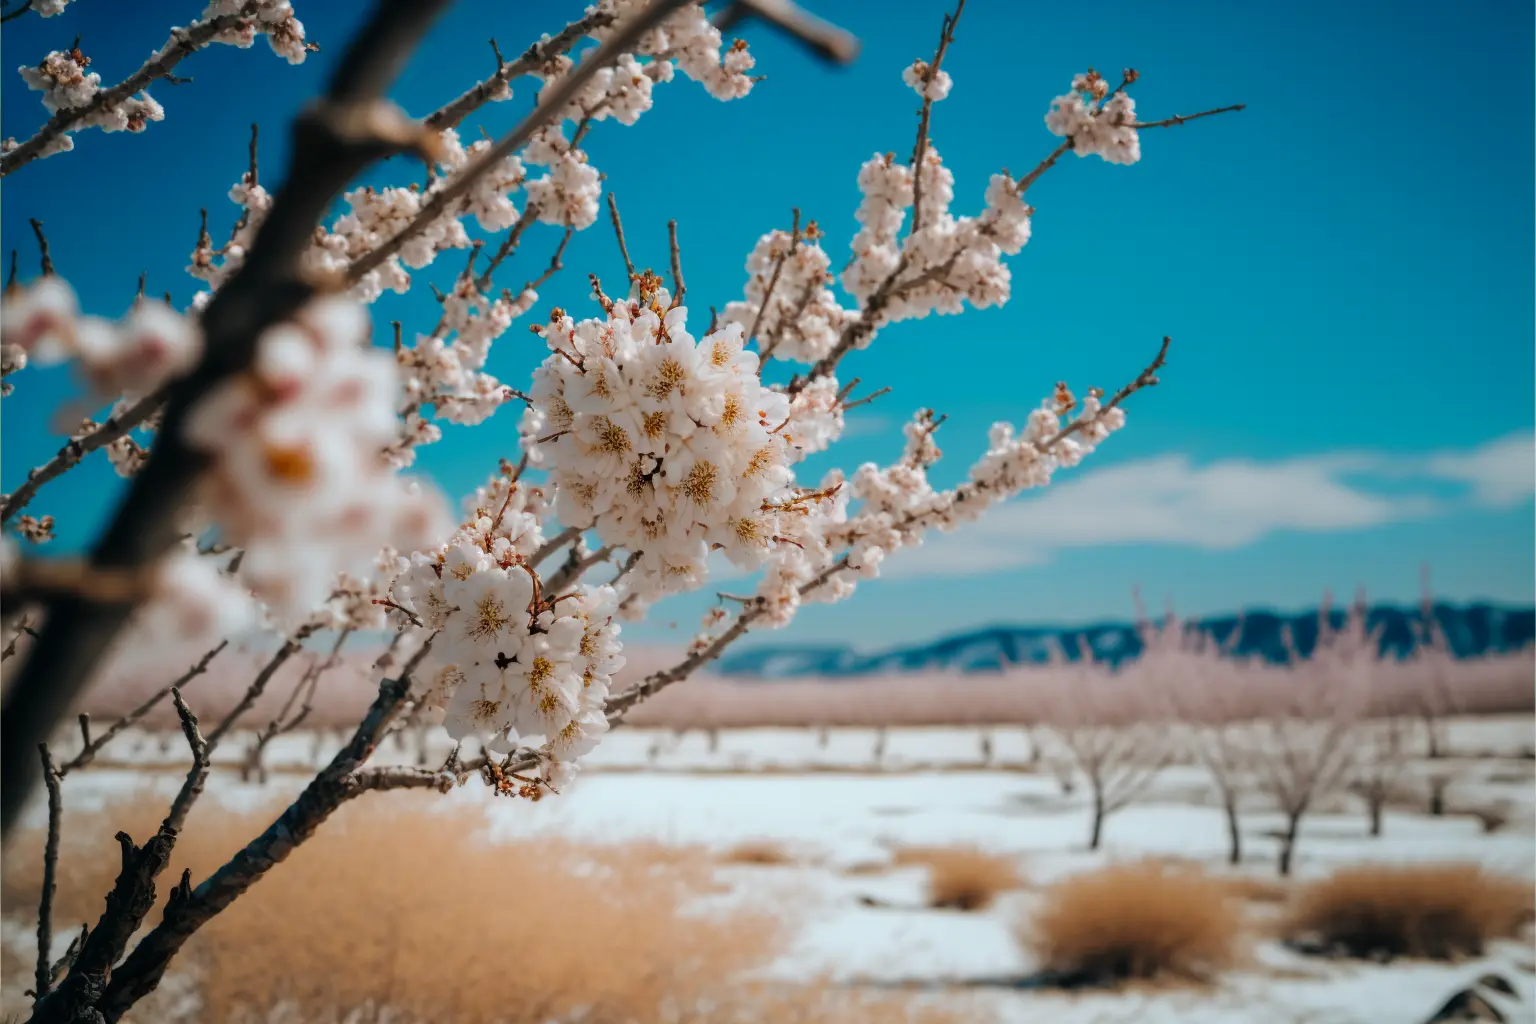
x: 667, y: 446
x: 298, y: 480
x: 152, y: 344
x: 65, y: 83
x: 271, y: 18
x: 1096, y: 126
x: 688, y: 38
x: 799, y: 319
x: 510, y: 661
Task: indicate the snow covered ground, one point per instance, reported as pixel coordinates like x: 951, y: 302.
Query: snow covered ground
x: 829, y: 804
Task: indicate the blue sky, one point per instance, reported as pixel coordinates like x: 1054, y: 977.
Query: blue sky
x: 1345, y: 269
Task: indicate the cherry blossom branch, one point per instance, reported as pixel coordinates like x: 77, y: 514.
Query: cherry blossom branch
x: 552, y: 101
x: 190, y: 908
x: 869, y: 316
x: 773, y: 280
x: 1181, y: 118
x: 68, y: 457
x: 920, y: 150
x: 452, y: 114
x: 93, y: 746
x: 351, y: 127
x: 618, y: 704
x: 183, y: 42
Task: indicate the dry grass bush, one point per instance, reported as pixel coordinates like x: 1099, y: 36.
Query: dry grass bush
x: 962, y: 877
x: 398, y: 910
x: 1432, y: 911
x: 1258, y: 890
x: 1146, y: 920
x: 760, y: 852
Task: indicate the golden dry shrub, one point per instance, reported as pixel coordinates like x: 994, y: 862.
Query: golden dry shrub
x: 758, y: 853
x: 1434, y: 911
x: 399, y: 908
x: 962, y: 877
x: 1144, y: 920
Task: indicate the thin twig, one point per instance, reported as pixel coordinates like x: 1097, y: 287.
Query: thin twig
x: 91, y: 748
x: 678, y: 287
x: 618, y: 231
x: 42, y: 246
x: 259, y: 684
x: 552, y: 101
x: 773, y: 281
x: 1181, y: 118
x: 920, y: 148
x: 197, y: 775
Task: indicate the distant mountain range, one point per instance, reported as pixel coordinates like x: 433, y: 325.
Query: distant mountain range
x: 1470, y: 630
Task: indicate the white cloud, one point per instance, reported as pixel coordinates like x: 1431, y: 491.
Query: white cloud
x: 1500, y: 473
x: 1222, y: 505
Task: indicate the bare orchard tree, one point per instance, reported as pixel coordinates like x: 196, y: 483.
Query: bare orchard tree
x: 1303, y: 745
x: 1215, y: 698
x: 1434, y: 665
x: 1381, y: 761
x: 264, y: 431
x: 1107, y: 726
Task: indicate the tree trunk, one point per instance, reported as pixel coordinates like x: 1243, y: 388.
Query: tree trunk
x: 714, y: 741
x: 1234, y: 834
x: 1374, y: 805
x: 1431, y: 729
x: 1288, y: 844
x: 1437, y: 787
x: 1098, y: 821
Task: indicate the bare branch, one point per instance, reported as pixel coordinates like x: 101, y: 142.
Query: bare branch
x: 44, y: 975
x: 190, y: 908
x: 197, y: 775
x: 259, y: 685
x: 42, y: 245
x: 1181, y: 118
x: 553, y: 544
x: 678, y: 287
x: 89, y: 751
x: 451, y: 114
x: 618, y: 230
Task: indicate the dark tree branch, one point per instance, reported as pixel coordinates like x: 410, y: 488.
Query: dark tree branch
x: 44, y: 973
x: 191, y: 908
x: 350, y: 128
x: 823, y: 38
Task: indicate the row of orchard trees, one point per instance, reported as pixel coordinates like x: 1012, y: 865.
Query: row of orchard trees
x: 1344, y: 717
